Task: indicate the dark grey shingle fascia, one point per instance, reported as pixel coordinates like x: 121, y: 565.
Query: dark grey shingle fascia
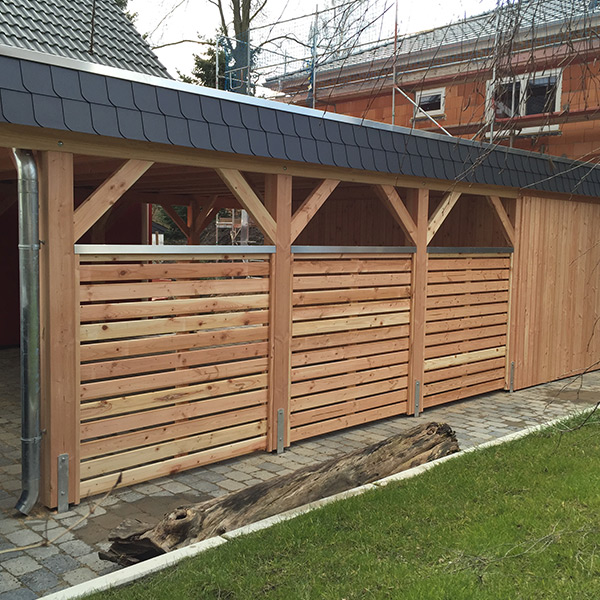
x: 118, y: 104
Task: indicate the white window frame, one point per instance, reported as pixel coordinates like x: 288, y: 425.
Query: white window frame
x: 523, y: 79
x: 419, y: 112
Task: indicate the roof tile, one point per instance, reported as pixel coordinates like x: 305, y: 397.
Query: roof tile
x: 66, y: 83
x: 231, y: 114
x: 331, y: 154
x: 219, y: 137
x: 317, y: 128
x: 130, y: 124
x: 17, y: 107
x: 240, y: 140
x: 48, y: 112
x: 178, y: 132
x: 37, y: 78
x: 268, y: 120
x: 93, y: 88
x: 302, y: 126
x: 250, y: 116
x: 332, y: 130
x: 293, y: 148
x: 211, y: 110
x: 78, y: 116
x: 190, y: 106
x: 200, y: 135
x: 276, y: 145
x: 104, y: 120
x: 168, y: 102
x: 258, y: 142
x: 309, y: 150
x: 10, y: 74
x: 285, y: 121
x: 144, y: 97
x: 120, y: 93
x: 155, y: 127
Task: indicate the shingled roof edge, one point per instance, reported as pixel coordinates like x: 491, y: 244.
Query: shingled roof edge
x: 467, y: 154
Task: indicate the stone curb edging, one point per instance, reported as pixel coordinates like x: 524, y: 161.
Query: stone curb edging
x: 153, y: 565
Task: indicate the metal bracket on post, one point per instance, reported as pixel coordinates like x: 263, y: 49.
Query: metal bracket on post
x: 280, y: 430
x: 63, y: 483
x: 417, y: 397
x: 511, y: 385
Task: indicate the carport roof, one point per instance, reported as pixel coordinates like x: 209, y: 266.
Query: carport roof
x: 38, y: 90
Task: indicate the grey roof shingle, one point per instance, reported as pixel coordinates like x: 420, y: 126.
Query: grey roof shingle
x: 166, y: 112
x: 64, y: 28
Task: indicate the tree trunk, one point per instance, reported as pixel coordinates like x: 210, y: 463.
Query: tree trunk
x: 134, y: 541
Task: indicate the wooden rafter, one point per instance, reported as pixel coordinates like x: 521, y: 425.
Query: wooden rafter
x: 107, y: 194
x: 392, y: 201
x: 507, y: 227
x: 181, y: 224
x: 440, y: 213
x: 311, y: 205
x: 246, y: 196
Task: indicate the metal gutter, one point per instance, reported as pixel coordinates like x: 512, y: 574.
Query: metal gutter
x: 29, y: 277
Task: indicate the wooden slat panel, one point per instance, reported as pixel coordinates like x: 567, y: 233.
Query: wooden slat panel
x: 124, y: 460
x: 167, y: 432
x: 327, y: 282
x: 362, y: 322
x: 471, y: 275
x: 350, y: 295
x: 465, y: 323
x: 339, y: 339
x: 171, y: 307
x: 447, y: 289
x: 466, y: 299
x: 455, y: 312
x: 461, y: 393
x: 128, y: 385
x: 179, y: 360
x: 465, y: 335
x: 345, y: 366
x: 140, y: 271
x: 464, y: 358
x: 301, y: 433
x: 350, y: 351
x: 347, y: 407
x: 358, y: 308
x: 134, y: 291
x: 128, y: 329
x: 350, y: 393
x: 460, y: 264
x: 173, y: 343
x: 466, y: 380
x: 465, y: 346
x: 169, y: 467
x: 316, y: 267
x: 461, y: 370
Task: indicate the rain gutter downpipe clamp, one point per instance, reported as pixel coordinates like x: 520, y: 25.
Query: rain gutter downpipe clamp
x: 29, y: 285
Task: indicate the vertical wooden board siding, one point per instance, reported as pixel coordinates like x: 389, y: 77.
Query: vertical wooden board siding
x: 465, y: 340
x: 556, y: 296
x: 356, y: 369
x: 185, y: 380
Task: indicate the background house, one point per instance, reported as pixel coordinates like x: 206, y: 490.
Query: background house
x: 524, y: 75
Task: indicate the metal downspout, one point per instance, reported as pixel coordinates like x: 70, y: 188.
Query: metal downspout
x: 29, y: 284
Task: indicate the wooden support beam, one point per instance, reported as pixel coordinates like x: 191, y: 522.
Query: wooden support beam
x: 278, y: 198
x: 507, y: 227
x: 245, y: 195
x: 311, y: 205
x: 181, y: 224
x: 101, y: 200
x: 202, y: 212
x: 59, y: 297
x: 441, y: 212
x: 392, y: 201
x: 419, y: 198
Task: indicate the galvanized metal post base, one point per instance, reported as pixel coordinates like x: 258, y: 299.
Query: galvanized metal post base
x: 280, y: 431
x: 417, y: 398
x: 63, y: 483
x: 511, y: 385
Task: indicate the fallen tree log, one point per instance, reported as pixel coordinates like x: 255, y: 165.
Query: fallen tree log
x: 133, y: 541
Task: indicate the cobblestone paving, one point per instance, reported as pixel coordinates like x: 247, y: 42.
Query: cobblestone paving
x: 73, y: 558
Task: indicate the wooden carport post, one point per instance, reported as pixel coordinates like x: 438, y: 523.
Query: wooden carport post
x: 59, y: 326
x: 418, y: 200
x: 278, y: 200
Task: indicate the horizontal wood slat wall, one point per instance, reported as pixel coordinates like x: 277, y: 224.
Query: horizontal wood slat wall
x: 174, y: 365
x: 466, y: 326
x: 556, y: 307
x: 350, y: 338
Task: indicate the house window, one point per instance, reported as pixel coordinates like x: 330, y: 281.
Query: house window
x: 528, y: 94
x: 431, y: 102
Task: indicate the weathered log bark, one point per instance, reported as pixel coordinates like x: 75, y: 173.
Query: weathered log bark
x: 134, y: 541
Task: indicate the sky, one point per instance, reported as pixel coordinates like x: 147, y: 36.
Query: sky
x: 171, y: 20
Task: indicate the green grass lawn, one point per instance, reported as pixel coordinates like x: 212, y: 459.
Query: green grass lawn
x: 514, y: 521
